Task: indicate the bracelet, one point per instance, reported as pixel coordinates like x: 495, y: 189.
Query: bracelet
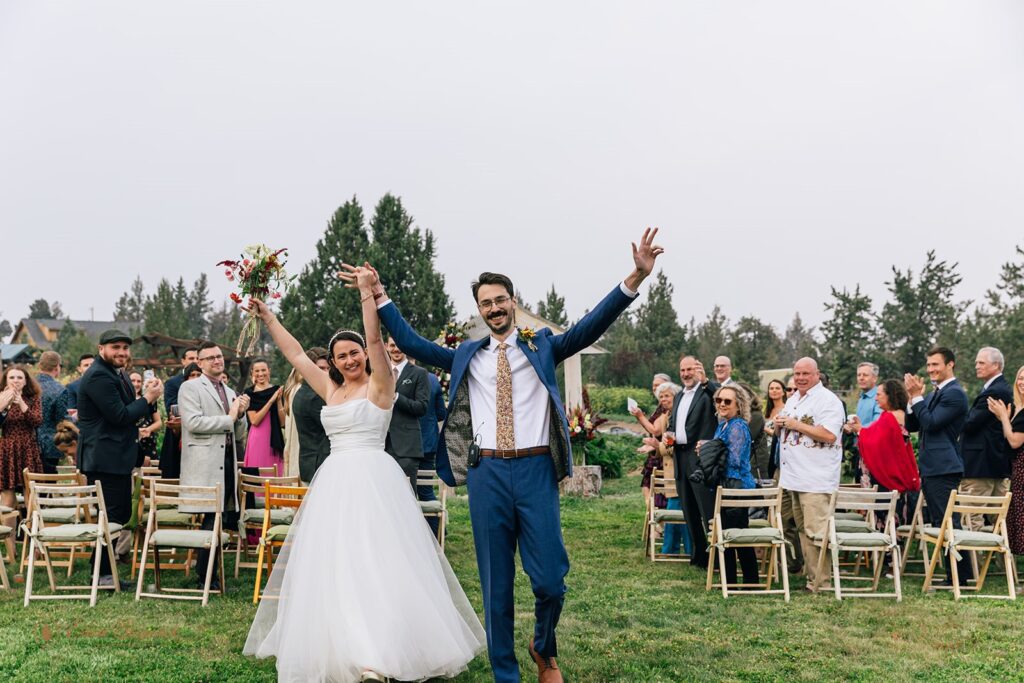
x: 367, y: 297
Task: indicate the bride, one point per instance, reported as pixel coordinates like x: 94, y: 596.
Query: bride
x: 361, y: 588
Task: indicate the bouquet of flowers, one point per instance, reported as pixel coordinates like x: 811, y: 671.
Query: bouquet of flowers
x: 260, y: 273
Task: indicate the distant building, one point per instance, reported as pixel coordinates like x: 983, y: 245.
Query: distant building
x: 16, y: 354
x: 41, y: 333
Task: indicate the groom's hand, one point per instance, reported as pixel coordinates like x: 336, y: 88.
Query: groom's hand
x: 644, y: 256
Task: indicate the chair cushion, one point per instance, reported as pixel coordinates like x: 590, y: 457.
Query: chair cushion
x: 850, y: 526
x: 968, y: 539
x: 184, y: 538
x: 5, y: 531
x: 903, y: 529
x: 871, y: 539
x: 64, y: 515
x: 5, y: 510
x: 669, y: 516
x: 74, y: 532
x: 849, y: 515
x: 759, y: 523
x: 277, y: 533
x: 277, y: 516
x: 432, y: 506
x: 764, y: 535
x: 988, y: 529
x: 169, y: 517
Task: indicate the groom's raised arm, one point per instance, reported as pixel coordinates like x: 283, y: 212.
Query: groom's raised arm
x: 411, y: 343
x: 591, y: 326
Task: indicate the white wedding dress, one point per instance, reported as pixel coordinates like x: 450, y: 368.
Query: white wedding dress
x: 361, y: 583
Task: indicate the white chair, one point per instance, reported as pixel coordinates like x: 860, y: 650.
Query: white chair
x: 771, y: 538
x: 437, y: 509
x: 78, y: 531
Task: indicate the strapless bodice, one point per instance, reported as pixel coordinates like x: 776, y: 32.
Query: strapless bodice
x: 356, y: 425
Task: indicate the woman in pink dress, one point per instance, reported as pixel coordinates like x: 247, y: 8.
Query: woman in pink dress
x: 265, y: 447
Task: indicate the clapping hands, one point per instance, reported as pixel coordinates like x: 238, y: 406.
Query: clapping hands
x: 914, y: 385
x: 999, y: 409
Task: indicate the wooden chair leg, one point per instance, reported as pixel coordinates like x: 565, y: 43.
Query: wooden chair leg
x: 956, y: 575
x: 31, y: 568
x: 97, y: 558
x: 259, y: 571
x: 49, y: 566
x: 896, y: 573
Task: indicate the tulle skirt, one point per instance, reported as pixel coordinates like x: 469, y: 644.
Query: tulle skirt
x: 361, y: 584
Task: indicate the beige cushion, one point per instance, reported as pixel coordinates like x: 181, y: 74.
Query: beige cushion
x: 759, y: 523
x: 74, y: 532
x: 277, y: 516
x: 669, y: 516
x: 169, y: 517
x: 64, y: 515
x: 430, y: 506
x: 850, y: 526
x: 857, y: 540
x: 849, y: 515
x: 277, y: 533
x: 185, y: 538
x: 4, y: 510
x: 764, y: 535
x: 5, y: 531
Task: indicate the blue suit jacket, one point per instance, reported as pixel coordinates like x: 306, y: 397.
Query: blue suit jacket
x: 551, y: 349
x: 939, y: 419
x: 436, y: 412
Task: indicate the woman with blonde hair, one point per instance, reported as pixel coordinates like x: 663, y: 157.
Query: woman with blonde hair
x: 1013, y: 432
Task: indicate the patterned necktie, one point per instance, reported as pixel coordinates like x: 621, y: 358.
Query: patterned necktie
x: 506, y: 435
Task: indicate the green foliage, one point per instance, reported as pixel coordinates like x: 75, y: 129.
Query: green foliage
x: 615, y: 453
x: 132, y: 304
x: 552, y: 308
x: 164, y: 312
x: 753, y: 346
x: 5, y: 328
x: 798, y: 342
x: 848, y: 335
x: 41, y: 308
x: 612, y: 400
x: 72, y: 343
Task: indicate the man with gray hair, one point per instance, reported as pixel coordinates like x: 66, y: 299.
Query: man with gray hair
x: 985, y: 451
x: 723, y: 370
x: 867, y: 411
x: 810, y: 456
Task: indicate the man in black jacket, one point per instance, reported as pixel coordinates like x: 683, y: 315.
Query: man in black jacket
x: 314, y: 446
x: 405, y: 441
x: 108, y: 440
x: 986, y: 456
x: 693, y: 419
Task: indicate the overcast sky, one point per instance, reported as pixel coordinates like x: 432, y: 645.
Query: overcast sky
x: 782, y: 146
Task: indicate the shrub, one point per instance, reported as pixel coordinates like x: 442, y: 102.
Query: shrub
x: 615, y: 453
x: 612, y: 400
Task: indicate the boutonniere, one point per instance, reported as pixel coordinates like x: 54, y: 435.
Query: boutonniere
x: 527, y: 335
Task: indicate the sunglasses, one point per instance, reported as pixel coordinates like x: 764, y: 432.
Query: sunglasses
x: 723, y: 401
x: 790, y: 390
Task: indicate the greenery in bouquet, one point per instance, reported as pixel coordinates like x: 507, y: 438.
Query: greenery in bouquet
x: 260, y: 274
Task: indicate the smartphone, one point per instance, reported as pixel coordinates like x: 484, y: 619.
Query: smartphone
x: 173, y: 410
x: 148, y: 375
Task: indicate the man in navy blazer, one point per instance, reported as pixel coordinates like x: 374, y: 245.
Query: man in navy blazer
x: 987, y: 457
x: 513, y: 492
x: 939, y: 420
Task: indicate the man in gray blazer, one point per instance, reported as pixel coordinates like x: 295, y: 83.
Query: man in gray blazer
x: 211, y: 436
x: 405, y: 440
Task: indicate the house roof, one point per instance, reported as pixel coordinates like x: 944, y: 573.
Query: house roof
x: 11, y: 352
x: 92, y: 328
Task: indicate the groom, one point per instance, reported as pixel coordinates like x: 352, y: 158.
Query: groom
x: 506, y: 437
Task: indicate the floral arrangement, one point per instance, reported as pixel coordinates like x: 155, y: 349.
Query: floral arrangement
x: 260, y: 274
x: 452, y: 335
x: 583, y: 421
x: 527, y: 335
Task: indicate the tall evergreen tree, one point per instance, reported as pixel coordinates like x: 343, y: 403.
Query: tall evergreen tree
x: 624, y: 362
x: 798, y: 342
x: 225, y: 324
x: 198, y: 307
x: 40, y: 309
x: 165, y: 311
x: 131, y: 305
x: 847, y: 335
x: 552, y: 307
x: 657, y: 327
x: 710, y: 338
x: 5, y: 328
x: 753, y: 346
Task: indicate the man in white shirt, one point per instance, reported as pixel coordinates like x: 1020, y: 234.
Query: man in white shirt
x: 810, y: 456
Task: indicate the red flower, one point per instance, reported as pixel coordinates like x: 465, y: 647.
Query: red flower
x: 237, y: 299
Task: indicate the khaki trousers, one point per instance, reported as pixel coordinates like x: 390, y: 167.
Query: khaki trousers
x: 981, y: 487
x: 810, y: 510
x: 789, y: 526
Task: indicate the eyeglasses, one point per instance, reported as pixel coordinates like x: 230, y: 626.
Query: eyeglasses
x: 488, y: 304
x: 719, y: 401
x: 790, y: 390
x: 219, y: 356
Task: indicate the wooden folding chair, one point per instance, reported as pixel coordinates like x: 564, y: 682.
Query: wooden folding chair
x: 54, y: 516
x: 953, y: 541
x: 168, y: 516
x: 910, y: 534
x: 8, y: 519
x: 6, y: 532
x: 80, y: 530
x: 250, y: 519
x: 437, y: 509
x: 659, y: 519
x: 771, y: 538
x: 273, y: 536
x: 157, y: 538
x: 861, y: 538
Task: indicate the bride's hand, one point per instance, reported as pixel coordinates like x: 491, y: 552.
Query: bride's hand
x: 261, y: 310
x: 362, y: 277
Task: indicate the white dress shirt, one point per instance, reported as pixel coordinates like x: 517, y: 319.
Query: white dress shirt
x: 531, y: 403
x: 806, y: 465
x: 681, y: 412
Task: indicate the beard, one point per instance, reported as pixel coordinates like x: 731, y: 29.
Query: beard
x: 506, y: 320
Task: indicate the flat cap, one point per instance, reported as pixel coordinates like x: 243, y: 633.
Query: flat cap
x: 111, y: 336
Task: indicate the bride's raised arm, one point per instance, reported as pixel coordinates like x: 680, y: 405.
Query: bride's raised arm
x: 382, y: 380
x: 318, y: 380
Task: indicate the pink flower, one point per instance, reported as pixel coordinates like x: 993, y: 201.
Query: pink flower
x: 276, y: 295
x: 231, y: 278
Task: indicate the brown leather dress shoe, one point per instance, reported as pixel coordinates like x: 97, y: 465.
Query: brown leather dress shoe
x: 547, y: 668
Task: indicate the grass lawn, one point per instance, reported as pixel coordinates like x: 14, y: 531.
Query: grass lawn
x: 625, y: 619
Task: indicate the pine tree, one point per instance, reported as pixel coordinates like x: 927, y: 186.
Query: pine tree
x: 753, y: 346
x: 657, y: 325
x: 164, y: 312
x: 623, y: 364
x: 225, y: 324
x: 40, y: 309
x: 847, y: 335
x: 710, y: 338
x: 198, y: 307
x: 132, y: 303
x: 5, y: 328
x: 552, y: 308
x: 798, y: 342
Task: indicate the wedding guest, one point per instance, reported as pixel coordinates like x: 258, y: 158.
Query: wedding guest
x: 810, y: 456
x: 723, y: 370
x: 733, y: 408
x: 774, y: 402
x: 654, y: 431
x: 21, y: 413
x: 314, y: 446
x: 265, y: 447
x: 84, y: 361
x: 108, y: 444
x: 54, y: 405
x: 404, y: 441
x: 675, y: 534
x: 887, y: 456
x: 65, y: 439
x: 760, y: 453
x: 867, y: 412
x: 436, y: 413
x: 170, y: 453
x: 1013, y: 432
x: 291, y: 434
x: 148, y: 425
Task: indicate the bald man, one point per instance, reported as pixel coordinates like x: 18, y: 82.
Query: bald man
x: 810, y: 457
